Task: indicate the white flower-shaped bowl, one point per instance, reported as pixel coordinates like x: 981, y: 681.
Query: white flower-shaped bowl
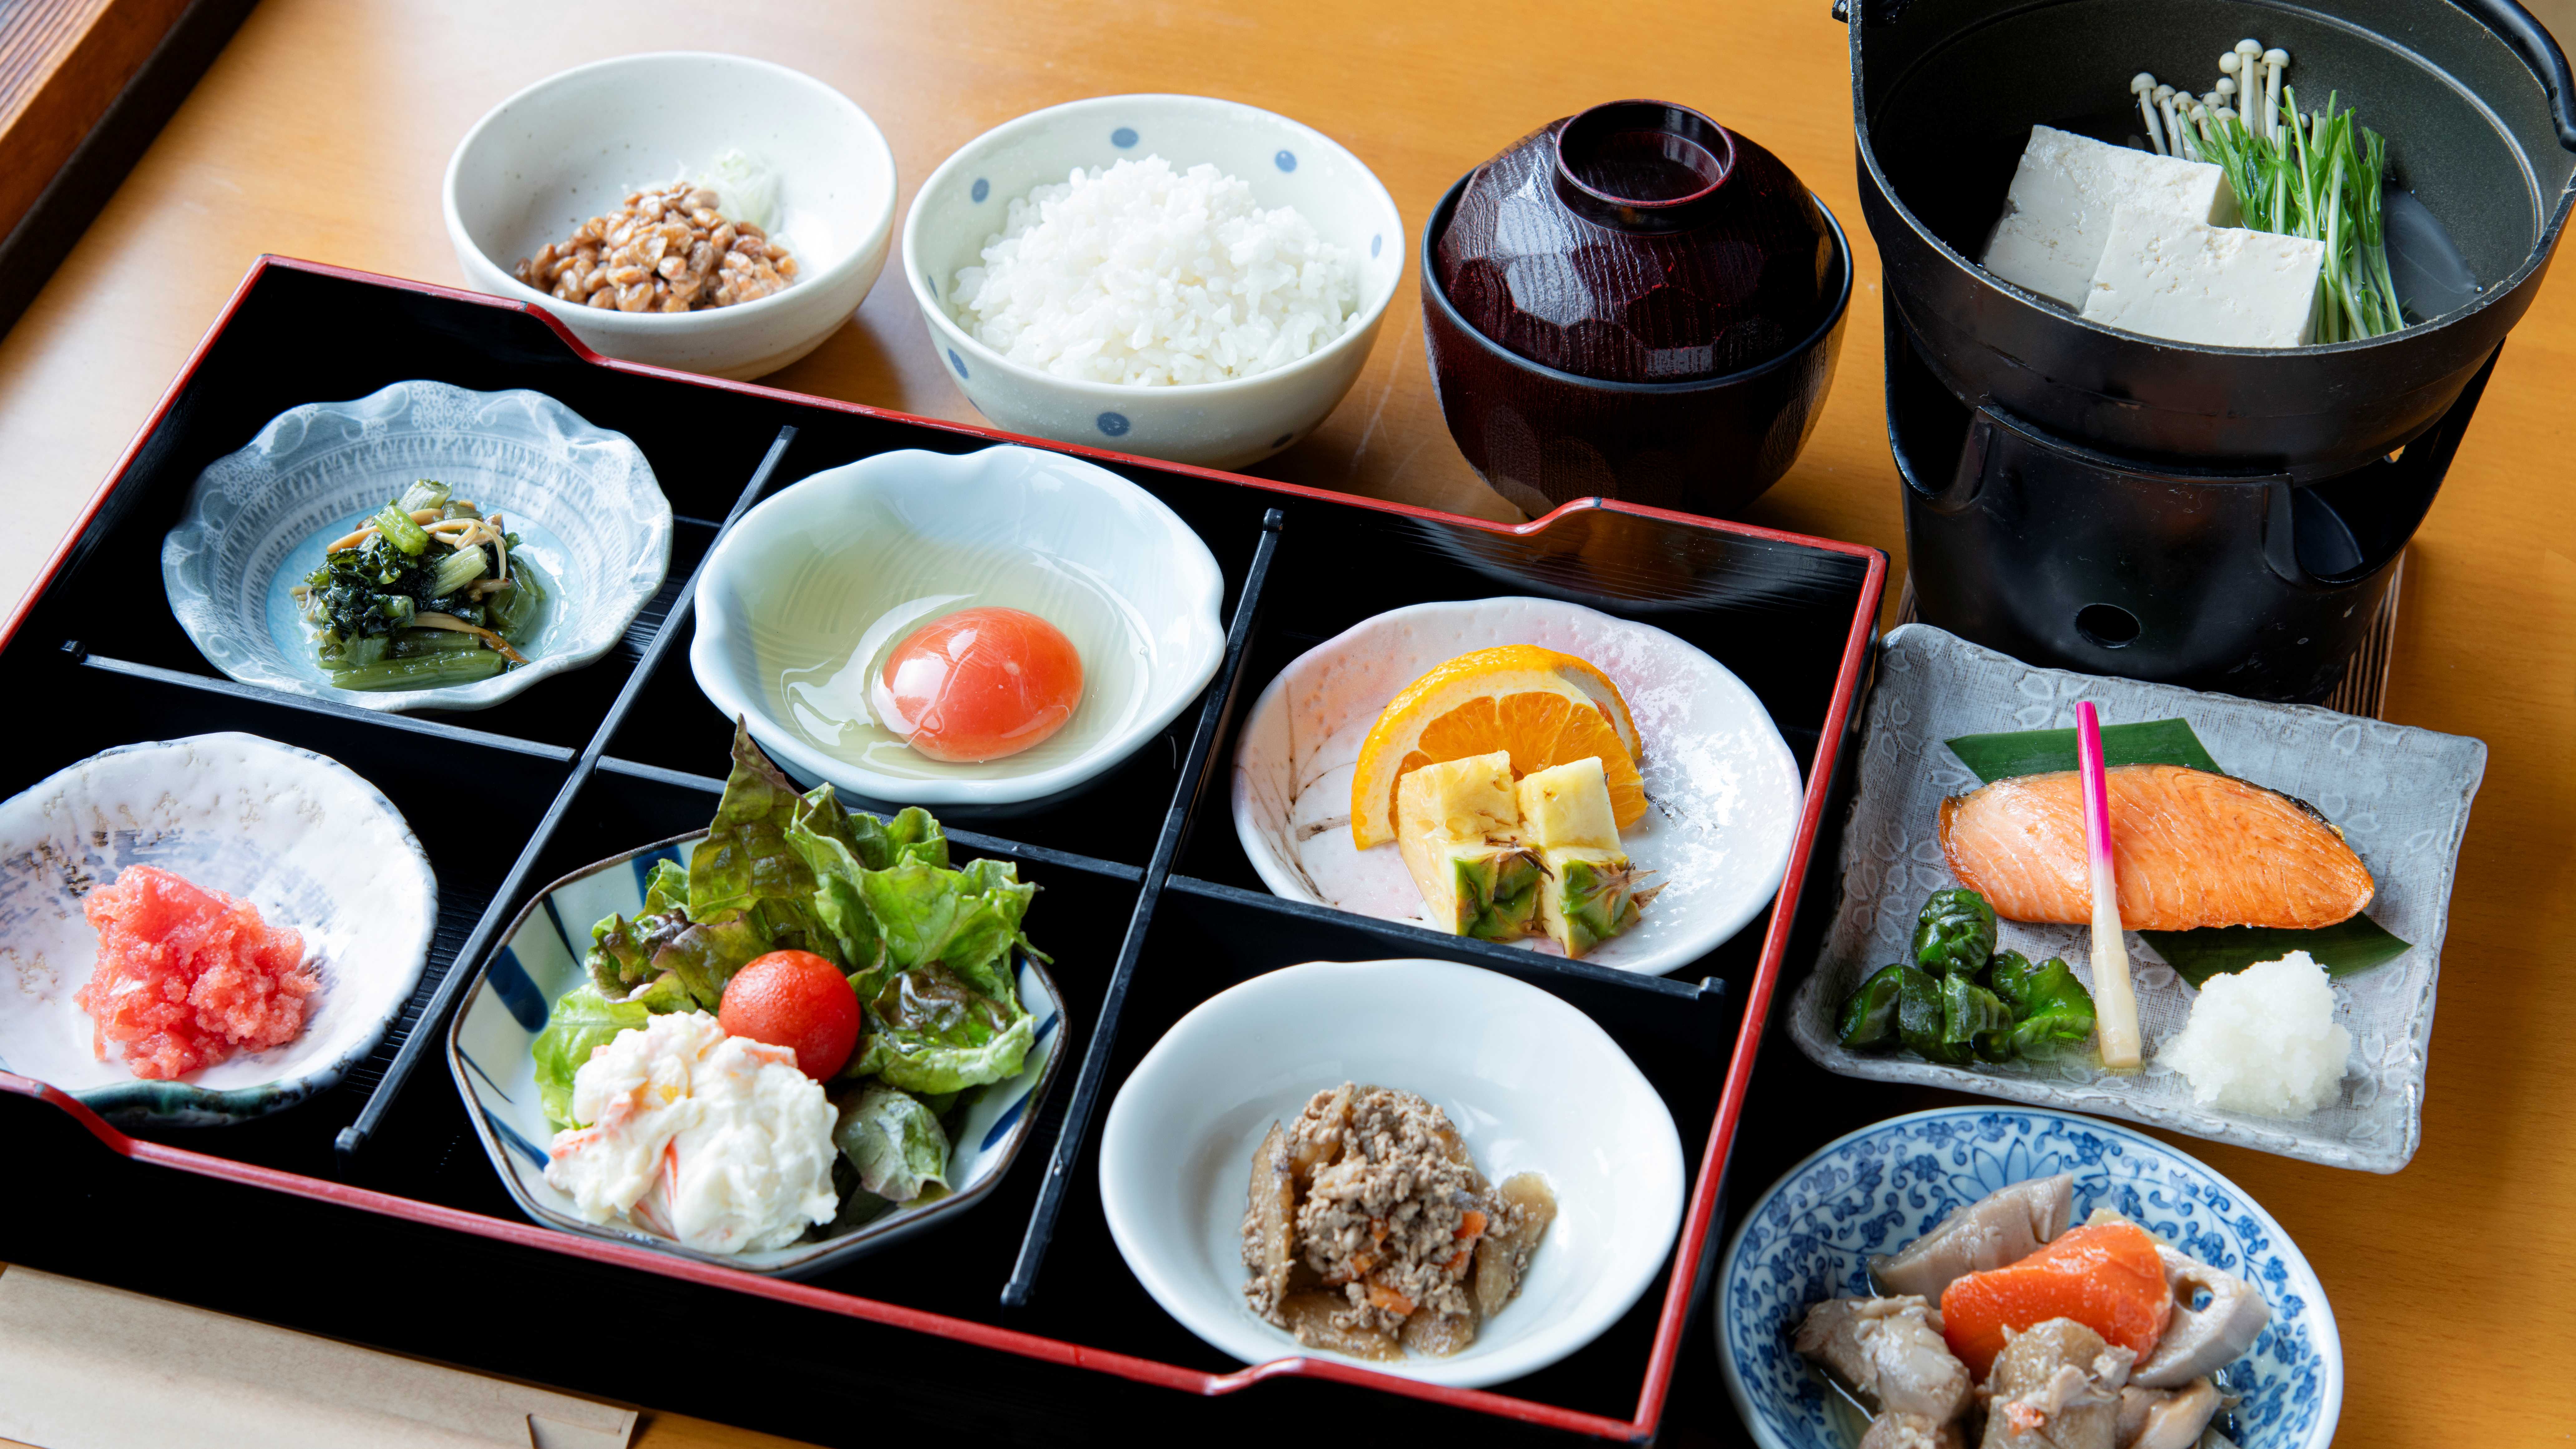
x: 1219, y: 424
x: 294, y: 833
x: 861, y: 555
x: 573, y: 146
x: 582, y: 500
x: 1176, y: 1152
x: 1811, y: 1236
x: 541, y: 959
x: 1723, y: 787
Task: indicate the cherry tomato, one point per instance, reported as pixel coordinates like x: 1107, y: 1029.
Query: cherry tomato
x: 797, y: 1000
x: 980, y: 684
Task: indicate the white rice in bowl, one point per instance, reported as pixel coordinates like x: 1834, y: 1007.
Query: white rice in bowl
x: 1145, y: 276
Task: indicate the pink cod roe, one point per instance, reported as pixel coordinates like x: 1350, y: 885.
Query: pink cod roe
x: 186, y: 976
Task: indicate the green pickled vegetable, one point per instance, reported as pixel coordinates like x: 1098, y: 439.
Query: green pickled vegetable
x: 2009, y: 978
x: 1955, y: 934
x: 1867, y: 1021
x: 2055, y: 1011
x: 428, y: 671
x: 461, y: 567
x: 359, y: 653
x: 514, y: 608
x: 1974, y: 1019
x: 365, y: 601
x: 400, y: 531
x: 424, y: 493
x: 1919, y: 1019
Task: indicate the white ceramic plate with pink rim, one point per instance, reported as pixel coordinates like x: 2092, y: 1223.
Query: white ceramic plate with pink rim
x: 1723, y: 791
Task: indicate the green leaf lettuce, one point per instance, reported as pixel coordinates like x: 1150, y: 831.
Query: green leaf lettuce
x: 582, y: 1021
x: 893, y: 1139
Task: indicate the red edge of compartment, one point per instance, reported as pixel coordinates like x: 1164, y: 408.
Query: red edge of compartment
x: 1704, y: 1197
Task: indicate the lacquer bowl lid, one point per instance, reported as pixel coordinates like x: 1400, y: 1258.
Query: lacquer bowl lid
x: 1638, y: 241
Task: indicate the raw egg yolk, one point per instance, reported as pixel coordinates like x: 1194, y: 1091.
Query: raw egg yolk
x: 979, y: 684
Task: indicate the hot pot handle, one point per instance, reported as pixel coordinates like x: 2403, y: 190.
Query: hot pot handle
x: 2540, y: 52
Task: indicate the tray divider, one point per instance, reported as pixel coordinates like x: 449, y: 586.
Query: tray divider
x: 468, y: 963
x: 312, y: 704
x: 986, y: 844
x: 1215, y: 717
x: 1511, y: 960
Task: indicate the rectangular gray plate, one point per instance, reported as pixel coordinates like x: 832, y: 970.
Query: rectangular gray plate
x: 2400, y: 795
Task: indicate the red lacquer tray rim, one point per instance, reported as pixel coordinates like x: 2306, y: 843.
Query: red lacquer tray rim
x: 1697, y: 1223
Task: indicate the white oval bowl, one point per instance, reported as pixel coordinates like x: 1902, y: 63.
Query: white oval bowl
x: 492, y: 1033
x: 573, y: 146
x: 582, y: 499
x: 298, y: 835
x: 1049, y: 525
x: 1176, y: 1151
x: 1724, y: 789
x: 1216, y: 425
x: 1811, y: 1235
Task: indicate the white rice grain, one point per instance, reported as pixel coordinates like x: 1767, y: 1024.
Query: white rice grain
x: 1144, y: 276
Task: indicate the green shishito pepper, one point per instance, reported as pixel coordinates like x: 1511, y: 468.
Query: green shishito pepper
x: 2055, y: 1010
x: 1976, y: 1020
x: 2009, y: 978
x: 1955, y: 934
x: 1867, y: 1021
x: 1921, y: 1019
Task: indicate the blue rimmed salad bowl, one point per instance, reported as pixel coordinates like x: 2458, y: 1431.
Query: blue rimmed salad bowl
x: 1810, y: 1237
x: 489, y: 1046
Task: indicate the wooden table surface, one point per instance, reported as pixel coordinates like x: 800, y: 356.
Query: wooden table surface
x: 323, y: 130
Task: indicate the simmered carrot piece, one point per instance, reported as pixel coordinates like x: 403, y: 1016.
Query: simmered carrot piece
x: 2107, y: 1278
x: 1381, y: 1296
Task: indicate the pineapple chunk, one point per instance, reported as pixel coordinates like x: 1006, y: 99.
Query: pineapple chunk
x: 1454, y: 824
x: 1590, y: 891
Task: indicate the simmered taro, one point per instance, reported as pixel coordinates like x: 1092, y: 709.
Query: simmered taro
x: 1369, y: 1231
x: 1269, y: 1226
x: 1502, y: 1255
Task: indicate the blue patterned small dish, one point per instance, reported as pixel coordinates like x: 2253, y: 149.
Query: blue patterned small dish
x: 1810, y: 1238
x: 583, y: 501
x: 540, y: 959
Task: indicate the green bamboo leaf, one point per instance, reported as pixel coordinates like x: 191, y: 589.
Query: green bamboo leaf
x: 2037, y: 752
x: 2343, y: 949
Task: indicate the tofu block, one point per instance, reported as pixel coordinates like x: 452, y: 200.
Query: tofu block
x: 2218, y: 286
x: 2057, y: 216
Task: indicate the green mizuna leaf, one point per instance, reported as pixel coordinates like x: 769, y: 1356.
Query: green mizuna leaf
x: 2343, y: 949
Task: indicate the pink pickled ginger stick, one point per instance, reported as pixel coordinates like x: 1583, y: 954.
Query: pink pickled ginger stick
x: 2115, y: 1005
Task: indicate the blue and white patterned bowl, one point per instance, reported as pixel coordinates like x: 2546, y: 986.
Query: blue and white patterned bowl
x: 540, y: 960
x: 1810, y: 1238
x: 1230, y: 424
x: 582, y: 499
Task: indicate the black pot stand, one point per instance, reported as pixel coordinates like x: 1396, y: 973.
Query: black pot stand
x: 2247, y: 583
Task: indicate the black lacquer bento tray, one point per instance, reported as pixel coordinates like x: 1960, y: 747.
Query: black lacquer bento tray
x: 1150, y: 908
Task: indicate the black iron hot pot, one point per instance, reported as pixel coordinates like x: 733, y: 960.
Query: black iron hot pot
x: 2220, y: 517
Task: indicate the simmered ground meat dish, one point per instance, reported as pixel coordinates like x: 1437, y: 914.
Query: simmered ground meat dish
x: 1370, y: 1232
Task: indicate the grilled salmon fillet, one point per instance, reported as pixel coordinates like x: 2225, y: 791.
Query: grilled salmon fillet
x: 2193, y: 849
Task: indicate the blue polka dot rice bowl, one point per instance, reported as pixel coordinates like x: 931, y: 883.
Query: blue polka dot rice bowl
x: 1811, y: 1235
x: 1224, y: 424
x: 541, y: 959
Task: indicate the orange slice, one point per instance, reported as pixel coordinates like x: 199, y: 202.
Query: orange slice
x: 1546, y: 708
